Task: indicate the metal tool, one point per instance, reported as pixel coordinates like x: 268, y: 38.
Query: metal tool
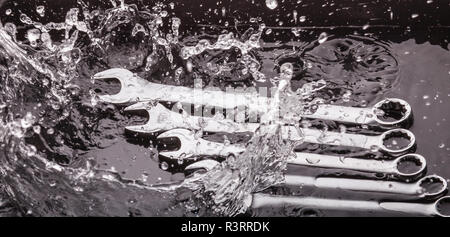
x: 136, y: 89
x: 426, y: 187
x: 163, y: 119
x: 191, y: 146
x: 417, y: 188
x: 439, y: 207
x: 379, y: 142
x: 365, y: 165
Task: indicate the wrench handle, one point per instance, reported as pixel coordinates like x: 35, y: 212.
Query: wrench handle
x: 142, y: 90
x: 343, y: 114
x: 326, y: 161
x: 354, y: 184
x: 330, y: 138
x: 265, y: 200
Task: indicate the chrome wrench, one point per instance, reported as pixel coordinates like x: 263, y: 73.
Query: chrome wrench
x: 192, y: 146
x: 162, y: 119
x: 136, y: 89
x: 425, y: 187
x: 439, y: 207
x: 417, y: 188
x: 364, y: 165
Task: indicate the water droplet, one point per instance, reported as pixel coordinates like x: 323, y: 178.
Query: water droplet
x: 312, y: 160
x: 78, y: 189
x: 322, y: 37
x: 27, y: 121
x: 379, y: 112
x: 8, y: 12
x: 342, y: 128
x: 271, y: 4
x: 52, y: 183
x: 33, y: 35
x: 442, y: 145
x: 296, y: 32
x: 40, y: 10
x: 366, y: 26
x: 37, y: 129
x: 374, y: 148
x: 72, y: 16
x: 302, y: 18
x: 138, y: 28
x: 347, y: 95
x: 164, y: 165
x: 286, y: 71
x: 31, y: 150
x: 50, y: 131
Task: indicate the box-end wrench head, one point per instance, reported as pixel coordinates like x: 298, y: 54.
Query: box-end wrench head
x: 352, y: 140
x: 135, y: 89
x: 389, y: 112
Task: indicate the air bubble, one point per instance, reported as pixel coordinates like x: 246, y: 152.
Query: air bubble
x: 374, y: 148
x: 25, y: 19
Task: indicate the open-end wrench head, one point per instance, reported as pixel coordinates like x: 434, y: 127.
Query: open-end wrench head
x: 396, y: 133
x: 124, y: 77
x: 187, y: 143
x: 389, y: 105
x: 159, y: 118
